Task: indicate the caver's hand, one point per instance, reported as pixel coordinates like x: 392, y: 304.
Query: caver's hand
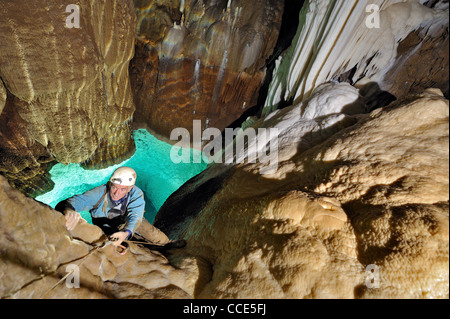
x: 72, y: 219
x: 118, y: 238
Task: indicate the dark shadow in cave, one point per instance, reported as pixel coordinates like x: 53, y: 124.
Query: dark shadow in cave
x: 374, y: 97
x: 186, y: 202
x: 370, y: 93
x: 288, y: 29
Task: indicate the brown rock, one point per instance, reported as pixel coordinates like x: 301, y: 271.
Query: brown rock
x: 422, y: 62
x: 203, y: 61
x: 38, y: 254
x: 372, y: 197
x: 68, y: 97
x: 168, y: 94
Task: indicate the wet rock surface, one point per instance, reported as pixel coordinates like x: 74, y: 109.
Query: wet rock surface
x: 68, y: 96
x: 311, y: 229
x: 38, y: 254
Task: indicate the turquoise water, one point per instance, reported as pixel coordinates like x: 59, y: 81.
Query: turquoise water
x: 157, y: 175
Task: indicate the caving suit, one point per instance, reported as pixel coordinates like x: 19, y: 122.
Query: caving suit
x: 124, y: 215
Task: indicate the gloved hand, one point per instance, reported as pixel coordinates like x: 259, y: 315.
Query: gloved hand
x: 72, y: 219
x: 118, y: 238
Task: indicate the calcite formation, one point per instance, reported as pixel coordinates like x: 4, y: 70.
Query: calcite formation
x: 357, y: 206
x: 65, y: 94
x: 41, y: 259
x: 201, y: 60
x: 363, y: 39
x: 2, y: 97
x: 360, y: 213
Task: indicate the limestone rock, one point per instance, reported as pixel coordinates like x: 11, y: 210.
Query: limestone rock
x: 202, y: 60
x: 68, y: 96
x: 37, y: 252
x: 379, y: 40
x: 362, y: 214
x: 357, y: 206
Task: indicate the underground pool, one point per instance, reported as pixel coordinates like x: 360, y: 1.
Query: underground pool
x: 157, y: 175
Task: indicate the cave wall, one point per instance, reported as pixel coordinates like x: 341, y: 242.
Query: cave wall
x: 65, y: 93
x: 201, y: 60
x: 404, y: 51
x: 38, y: 259
x: 69, y: 94
x: 371, y: 189
x: 370, y: 195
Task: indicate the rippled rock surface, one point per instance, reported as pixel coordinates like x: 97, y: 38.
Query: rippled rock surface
x: 400, y: 47
x: 66, y: 94
x: 202, y: 60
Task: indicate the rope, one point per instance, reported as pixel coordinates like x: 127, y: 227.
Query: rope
x: 103, y: 244
x: 144, y: 243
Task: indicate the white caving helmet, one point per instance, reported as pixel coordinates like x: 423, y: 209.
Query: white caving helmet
x: 124, y: 176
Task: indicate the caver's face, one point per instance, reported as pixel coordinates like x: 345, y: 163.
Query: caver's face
x: 118, y: 191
